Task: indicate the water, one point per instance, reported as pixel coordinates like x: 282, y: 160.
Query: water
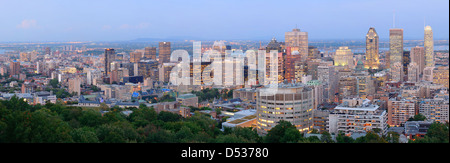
x: 2, y: 51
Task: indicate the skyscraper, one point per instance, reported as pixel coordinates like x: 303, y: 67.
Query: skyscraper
x: 372, y: 49
x: 135, y: 57
x: 344, y: 57
x: 413, y: 72
x: 428, y: 47
x: 164, y: 52
x: 395, y: 46
x: 14, y: 68
x: 297, y: 39
x: 110, y: 56
x: 48, y: 50
x: 418, y: 56
x: 150, y: 53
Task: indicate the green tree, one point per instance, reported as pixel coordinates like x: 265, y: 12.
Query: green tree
x: 370, y: 137
x: 437, y: 133
x: 393, y: 137
x: 54, y: 83
x: 168, y: 116
x: 326, y: 137
x: 417, y: 117
x: 84, y: 135
x: 342, y: 138
x: 283, y: 132
x: 91, y: 118
x: 143, y: 116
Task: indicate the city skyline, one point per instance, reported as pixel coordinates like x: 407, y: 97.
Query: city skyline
x: 218, y: 20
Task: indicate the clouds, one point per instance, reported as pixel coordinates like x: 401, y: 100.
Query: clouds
x: 28, y: 24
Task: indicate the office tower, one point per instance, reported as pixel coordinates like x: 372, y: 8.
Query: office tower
x: 372, y: 50
x: 14, y: 68
x: 328, y: 76
x: 344, y: 57
x: 74, y: 85
x: 413, y: 72
x: 48, y: 51
x: 164, y: 52
x: 397, y: 72
x: 387, y: 59
x: 291, y: 102
x: 318, y: 93
x: 135, y: 57
x: 148, y: 69
x: 289, y: 65
x: 417, y: 55
x: 313, y: 52
x: 429, y: 47
x: 395, y: 46
x: 25, y: 57
x: 298, y: 39
x: 300, y: 69
x: 441, y: 76
x: 110, y: 56
x: 312, y: 68
x: 150, y: 53
x: 356, y: 115
x: 428, y: 74
x: 164, y: 71
x: 347, y: 86
x: 406, y: 60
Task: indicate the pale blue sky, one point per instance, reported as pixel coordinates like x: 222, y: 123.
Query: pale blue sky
x: 118, y: 20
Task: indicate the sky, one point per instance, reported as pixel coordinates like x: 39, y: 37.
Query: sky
x: 122, y: 20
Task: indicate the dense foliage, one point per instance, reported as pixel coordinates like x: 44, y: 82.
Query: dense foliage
x: 57, y: 123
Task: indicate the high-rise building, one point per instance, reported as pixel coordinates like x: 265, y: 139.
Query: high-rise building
x: 400, y: 110
x: 14, y: 68
x: 436, y: 109
x: 397, y: 72
x: 428, y: 74
x: 164, y: 71
x: 110, y: 56
x: 298, y: 39
x: 413, y: 72
x: 74, y: 85
x: 148, y: 69
x: 25, y: 57
x: 164, y: 52
x: 395, y: 46
x: 291, y: 102
x: 372, y: 49
x: 48, y: 50
x: 135, y: 57
x: 150, y: 53
x: 344, y: 57
x: 328, y: 76
x: 429, y: 47
x: 313, y: 52
x: 406, y: 60
x: 441, y: 76
x: 418, y: 56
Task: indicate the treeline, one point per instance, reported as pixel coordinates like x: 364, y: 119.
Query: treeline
x: 57, y: 123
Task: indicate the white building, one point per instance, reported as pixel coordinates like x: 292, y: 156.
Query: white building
x: 356, y: 116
